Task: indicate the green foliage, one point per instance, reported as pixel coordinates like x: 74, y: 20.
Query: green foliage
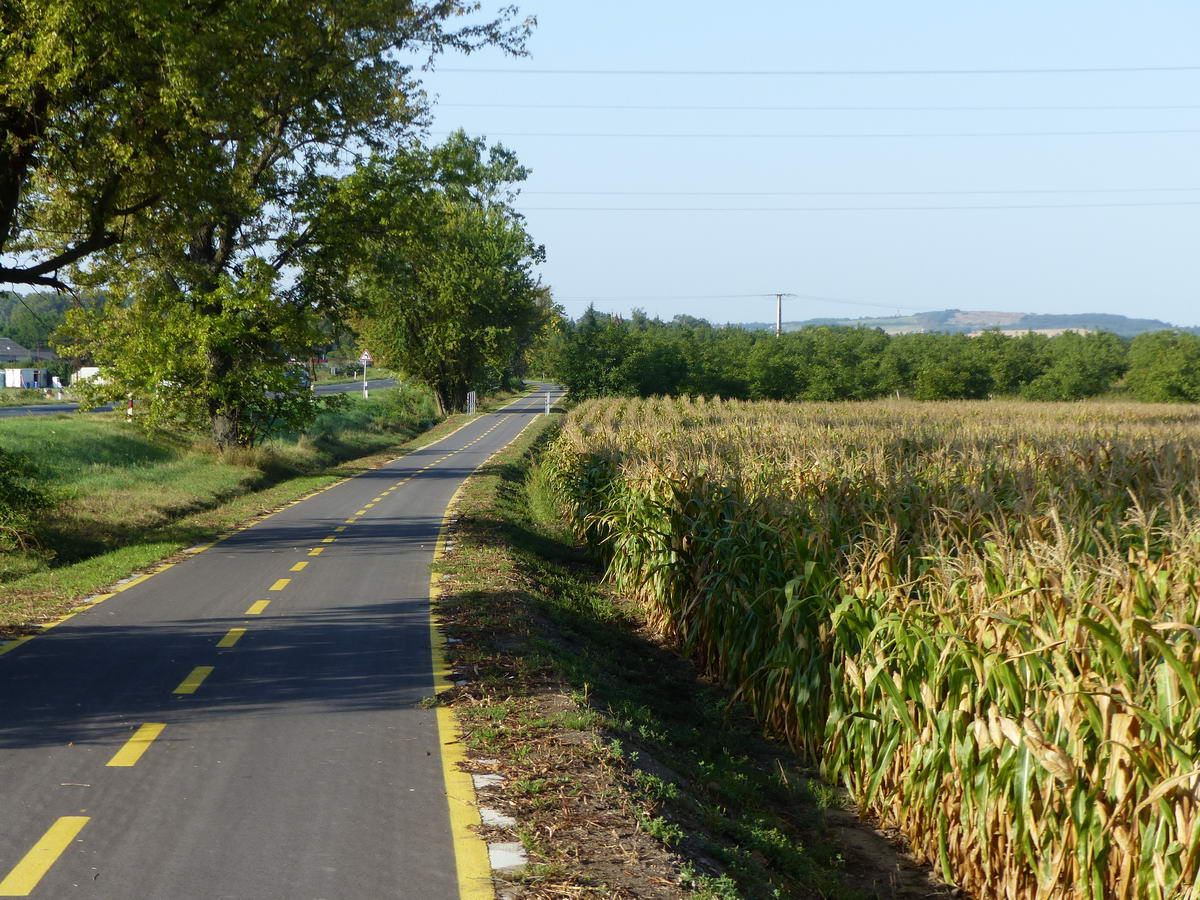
x: 955, y: 371
x: 22, y: 496
x: 200, y: 113
x: 186, y: 364
x: 599, y: 355
x: 1081, y: 365
x: 446, y: 290
x: 31, y: 319
x: 1164, y: 367
x: 206, y: 133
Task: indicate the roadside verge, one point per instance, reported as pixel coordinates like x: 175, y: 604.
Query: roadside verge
x: 617, y: 769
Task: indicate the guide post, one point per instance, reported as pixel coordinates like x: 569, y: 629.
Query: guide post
x: 365, y: 359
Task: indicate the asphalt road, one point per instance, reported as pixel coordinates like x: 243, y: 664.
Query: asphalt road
x: 300, y: 764
x: 46, y: 408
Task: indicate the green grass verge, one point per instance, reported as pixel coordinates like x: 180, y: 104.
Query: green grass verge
x: 592, y: 721
x: 125, y: 498
x: 30, y: 397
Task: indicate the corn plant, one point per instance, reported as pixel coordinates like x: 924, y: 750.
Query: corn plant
x: 983, y: 619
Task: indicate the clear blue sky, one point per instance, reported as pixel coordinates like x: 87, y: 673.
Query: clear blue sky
x: 1135, y: 260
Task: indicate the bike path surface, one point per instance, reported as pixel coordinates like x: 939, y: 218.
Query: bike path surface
x: 247, y: 723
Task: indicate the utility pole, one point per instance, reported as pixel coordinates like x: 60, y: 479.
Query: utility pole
x: 779, y: 312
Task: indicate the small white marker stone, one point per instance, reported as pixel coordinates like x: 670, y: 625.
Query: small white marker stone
x: 495, y: 818
x: 507, y: 856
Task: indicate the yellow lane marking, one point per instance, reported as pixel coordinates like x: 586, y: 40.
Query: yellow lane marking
x: 194, y: 679
x: 361, y: 512
x: 317, y: 551
x: 298, y: 567
x: 368, y: 505
x: 257, y: 607
x: 328, y: 540
x: 377, y: 499
x: 26, y: 874
x: 232, y: 636
x: 137, y: 745
x: 340, y: 528
x: 352, y: 519
x: 473, y: 868
x: 280, y: 584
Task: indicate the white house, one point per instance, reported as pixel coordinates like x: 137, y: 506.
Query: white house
x: 26, y: 378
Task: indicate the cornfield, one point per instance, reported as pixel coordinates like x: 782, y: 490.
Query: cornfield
x: 982, y: 619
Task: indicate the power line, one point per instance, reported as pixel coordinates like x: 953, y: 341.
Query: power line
x: 853, y: 208
x: 858, y: 193
x: 661, y: 297
x: 837, y: 134
x: 752, y: 108
x: 1048, y: 70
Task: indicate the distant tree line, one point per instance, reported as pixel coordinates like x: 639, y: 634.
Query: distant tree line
x: 600, y: 354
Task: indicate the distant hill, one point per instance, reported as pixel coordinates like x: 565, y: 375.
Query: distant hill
x: 967, y: 321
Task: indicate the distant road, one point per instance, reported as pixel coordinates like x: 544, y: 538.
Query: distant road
x: 47, y: 408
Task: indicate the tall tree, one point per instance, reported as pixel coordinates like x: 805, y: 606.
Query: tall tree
x: 425, y: 244
x: 276, y: 95
x: 110, y: 107
x: 1164, y: 367
x: 450, y: 305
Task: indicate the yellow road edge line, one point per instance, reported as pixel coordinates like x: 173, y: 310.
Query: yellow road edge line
x: 472, y: 866
x: 26, y: 874
x: 194, y: 679
x: 232, y: 636
x: 280, y: 584
x: 9, y: 646
x: 257, y: 607
x: 138, y: 744
x: 298, y: 567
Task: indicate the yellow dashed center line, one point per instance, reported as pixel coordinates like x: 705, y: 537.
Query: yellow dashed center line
x: 367, y: 506
x: 340, y: 528
x: 298, y: 567
x: 26, y: 874
x: 352, y: 519
x: 376, y: 499
x: 257, y: 607
x: 194, y: 679
x: 328, y: 540
x: 137, y: 745
x: 317, y: 551
x: 280, y: 584
x: 232, y: 636
x: 361, y: 512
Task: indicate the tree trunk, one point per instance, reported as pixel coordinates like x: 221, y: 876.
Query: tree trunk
x: 223, y: 420
x: 451, y: 396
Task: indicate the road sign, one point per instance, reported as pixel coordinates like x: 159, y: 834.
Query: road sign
x: 365, y: 357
